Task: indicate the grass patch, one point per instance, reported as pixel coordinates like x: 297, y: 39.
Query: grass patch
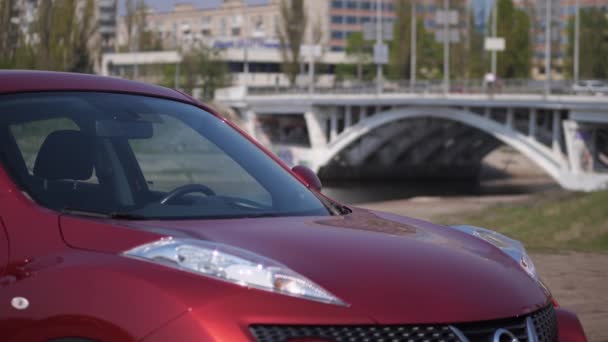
x: 552, y: 221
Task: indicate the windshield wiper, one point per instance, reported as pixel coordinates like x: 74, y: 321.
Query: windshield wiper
x: 111, y: 215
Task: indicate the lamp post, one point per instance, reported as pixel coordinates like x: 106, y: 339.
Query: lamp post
x: 413, y: 42
x: 446, y: 47
x: 494, y: 34
x: 577, y: 27
x: 379, y: 75
x: 548, y: 47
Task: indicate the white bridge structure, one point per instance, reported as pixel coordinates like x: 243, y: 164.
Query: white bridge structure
x: 430, y: 135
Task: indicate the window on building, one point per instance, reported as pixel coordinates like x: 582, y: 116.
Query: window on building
x: 366, y: 5
x: 337, y: 34
x: 236, y: 31
x: 351, y: 19
x: 337, y: 19
x: 351, y: 4
x: 337, y: 4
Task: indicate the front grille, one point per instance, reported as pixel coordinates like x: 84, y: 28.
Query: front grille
x: 544, y: 320
x: 274, y: 333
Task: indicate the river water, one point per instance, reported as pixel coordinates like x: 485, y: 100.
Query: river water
x: 356, y: 192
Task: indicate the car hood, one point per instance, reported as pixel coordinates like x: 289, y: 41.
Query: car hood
x: 394, y: 269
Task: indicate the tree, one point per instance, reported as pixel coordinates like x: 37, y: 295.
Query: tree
x: 62, y: 36
x: 399, y: 61
x: 360, y: 50
x: 514, y: 26
x: 9, y: 33
x: 201, y: 68
x: 593, y: 47
x: 476, y: 57
x: 291, y: 35
x: 85, y: 28
x: 139, y: 38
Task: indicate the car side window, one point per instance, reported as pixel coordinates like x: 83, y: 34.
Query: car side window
x: 30, y: 136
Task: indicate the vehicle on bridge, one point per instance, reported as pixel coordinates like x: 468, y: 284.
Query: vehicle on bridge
x: 590, y: 87
x: 131, y: 212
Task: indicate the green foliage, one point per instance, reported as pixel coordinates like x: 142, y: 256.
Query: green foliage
x: 429, y: 52
x: 201, y: 68
x: 514, y: 26
x: 138, y: 37
x: 593, y: 47
x: 291, y: 35
x: 361, y: 51
x: 569, y: 221
x: 9, y: 34
x: 477, y: 64
x: 63, y: 32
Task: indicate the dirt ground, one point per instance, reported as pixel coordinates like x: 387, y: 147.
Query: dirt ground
x: 579, y: 281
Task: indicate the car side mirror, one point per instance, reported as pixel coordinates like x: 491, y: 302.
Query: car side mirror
x: 308, y: 176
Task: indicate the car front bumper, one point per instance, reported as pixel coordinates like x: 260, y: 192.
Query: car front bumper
x: 192, y: 326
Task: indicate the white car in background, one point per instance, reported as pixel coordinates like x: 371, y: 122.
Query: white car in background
x: 590, y: 87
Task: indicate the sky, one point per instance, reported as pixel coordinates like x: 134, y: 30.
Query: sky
x: 166, y: 5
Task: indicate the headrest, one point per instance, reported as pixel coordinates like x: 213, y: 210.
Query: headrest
x: 66, y: 155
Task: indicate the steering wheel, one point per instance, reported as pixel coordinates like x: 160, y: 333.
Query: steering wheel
x: 186, y: 189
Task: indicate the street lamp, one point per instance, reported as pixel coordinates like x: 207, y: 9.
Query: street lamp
x: 446, y: 47
x: 494, y: 34
x: 577, y: 24
x: 413, y: 42
x: 548, y: 47
x: 378, y: 43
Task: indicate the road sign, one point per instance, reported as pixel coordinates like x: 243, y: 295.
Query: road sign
x: 454, y: 35
x: 380, y: 53
x: 494, y: 44
x: 451, y: 17
x: 310, y: 50
x: 369, y: 31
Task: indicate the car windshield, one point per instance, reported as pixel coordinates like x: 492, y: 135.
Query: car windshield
x: 129, y: 156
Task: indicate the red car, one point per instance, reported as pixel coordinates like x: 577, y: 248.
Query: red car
x: 131, y: 212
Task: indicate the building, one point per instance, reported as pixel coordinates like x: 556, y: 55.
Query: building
x: 233, y: 23
x: 247, y: 35
x: 561, y: 12
x: 347, y: 16
x: 107, y: 21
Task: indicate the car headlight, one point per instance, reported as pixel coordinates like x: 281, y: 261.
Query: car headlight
x: 233, y: 265
x: 512, y: 248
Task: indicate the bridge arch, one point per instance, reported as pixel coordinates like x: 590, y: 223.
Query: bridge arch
x: 538, y: 153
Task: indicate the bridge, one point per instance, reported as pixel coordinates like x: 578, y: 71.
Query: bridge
x: 399, y: 135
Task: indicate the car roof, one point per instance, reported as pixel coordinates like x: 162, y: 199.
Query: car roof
x: 18, y: 81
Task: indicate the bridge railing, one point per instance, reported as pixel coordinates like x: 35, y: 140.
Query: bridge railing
x: 469, y: 86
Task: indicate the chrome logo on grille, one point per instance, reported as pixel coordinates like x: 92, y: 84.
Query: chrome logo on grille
x: 504, y: 335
